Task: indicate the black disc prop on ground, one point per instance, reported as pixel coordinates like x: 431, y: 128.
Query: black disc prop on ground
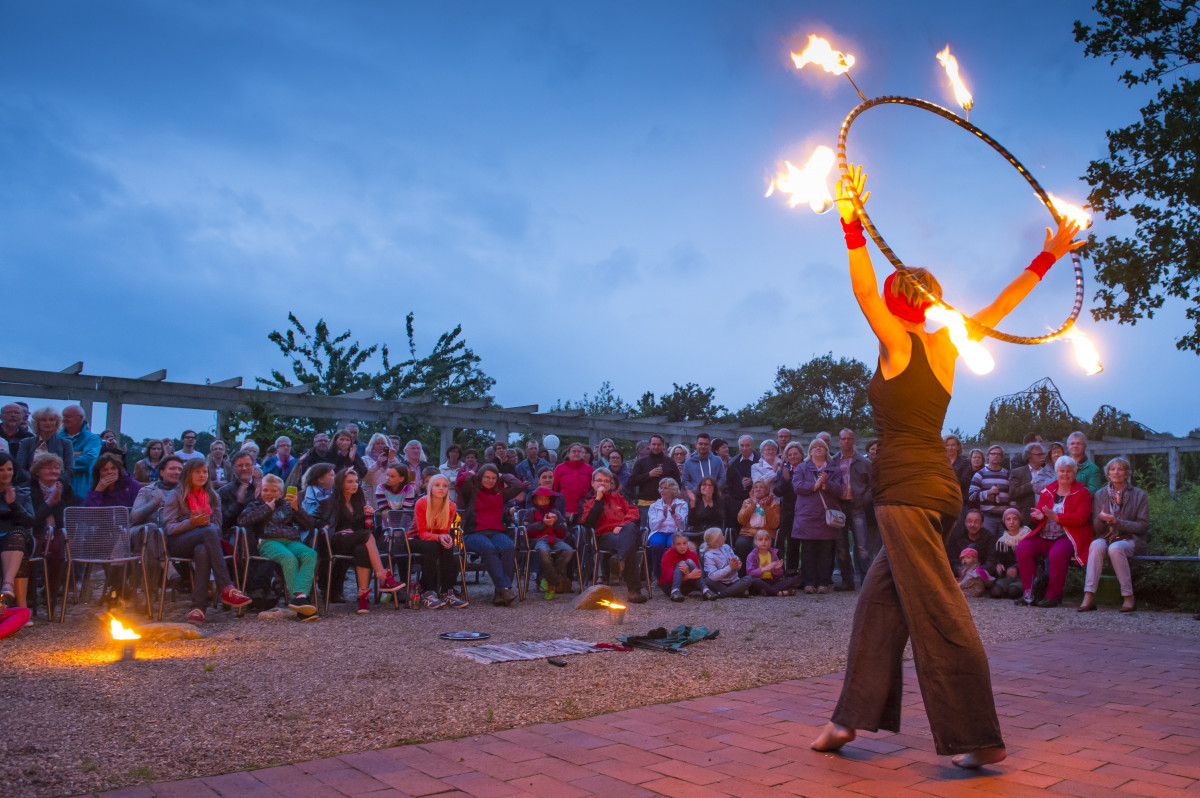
x: 843, y: 166
x: 464, y: 635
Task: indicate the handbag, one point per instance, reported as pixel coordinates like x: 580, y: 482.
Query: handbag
x: 833, y: 518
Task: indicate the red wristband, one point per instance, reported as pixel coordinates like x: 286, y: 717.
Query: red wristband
x: 1041, y: 264
x: 853, y: 232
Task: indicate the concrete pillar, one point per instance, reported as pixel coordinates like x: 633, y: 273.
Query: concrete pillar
x: 503, y: 431
x: 112, y: 420
x: 86, y: 404
x: 447, y: 434
x: 1172, y: 468
x: 223, y: 426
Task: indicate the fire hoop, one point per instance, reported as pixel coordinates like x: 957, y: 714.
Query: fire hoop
x: 899, y: 265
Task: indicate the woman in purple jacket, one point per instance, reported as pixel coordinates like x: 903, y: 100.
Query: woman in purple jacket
x: 111, y: 485
x: 818, y: 486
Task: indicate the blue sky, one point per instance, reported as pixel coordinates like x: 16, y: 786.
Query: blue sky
x: 580, y: 185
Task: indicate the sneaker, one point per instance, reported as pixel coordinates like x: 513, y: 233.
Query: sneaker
x: 508, y: 596
x: 639, y: 596
x: 195, y: 617
x: 676, y: 595
x: 364, y: 603
x: 453, y: 601
x: 234, y: 598
x: 1047, y: 603
x: 430, y: 601
x: 7, y: 598
x: 301, y: 605
x: 388, y: 584
x: 709, y: 595
x: 547, y: 590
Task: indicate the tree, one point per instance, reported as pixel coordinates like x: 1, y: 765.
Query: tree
x: 332, y: 365
x: 821, y: 394
x: 684, y: 403
x: 604, y: 403
x: 1150, y: 173
x: 1039, y: 408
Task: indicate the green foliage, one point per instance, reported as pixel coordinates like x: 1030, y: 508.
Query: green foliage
x: 1174, y: 531
x: 684, y: 403
x: 1040, y: 408
x: 1150, y: 172
x: 332, y: 365
x: 604, y: 402
x: 821, y: 394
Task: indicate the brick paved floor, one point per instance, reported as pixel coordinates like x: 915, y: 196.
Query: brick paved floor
x: 1083, y: 715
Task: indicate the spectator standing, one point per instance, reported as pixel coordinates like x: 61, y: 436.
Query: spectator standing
x: 818, y: 486
x: 856, y: 496
x: 527, y: 469
x: 414, y: 458
x: 451, y: 468
x: 647, y: 471
x: 768, y: 465
x: 782, y: 438
x: 500, y: 458
x: 1089, y: 473
x: 359, y: 448
x: 47, y: 439
x: 11, y: 428
x: 85, y: 448
x: 1026, y: 481
x: 282, y: 463
x: 188, y: 452
x: 573, y: 479
x: 701, y: 463
x: 989, y: 491
x: 738, y: 480
x: 1120, y: 520
x: 379, y: 455
x: 218, y: 463
x: 616, y: 464
x: 345, y: 454
x: 793, y: 456
x: 321, y: 452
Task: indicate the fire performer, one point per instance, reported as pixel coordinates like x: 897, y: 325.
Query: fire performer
x: 910, y: 589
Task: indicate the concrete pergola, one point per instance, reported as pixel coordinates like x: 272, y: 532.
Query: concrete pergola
x: 227, y: 396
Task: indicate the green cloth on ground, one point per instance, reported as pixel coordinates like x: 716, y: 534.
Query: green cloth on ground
x: 674, y: 640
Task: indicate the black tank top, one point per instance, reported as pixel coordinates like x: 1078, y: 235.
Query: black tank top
x: 912, y: 468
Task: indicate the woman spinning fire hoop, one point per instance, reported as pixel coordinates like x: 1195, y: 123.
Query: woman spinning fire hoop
x: 910, y: 589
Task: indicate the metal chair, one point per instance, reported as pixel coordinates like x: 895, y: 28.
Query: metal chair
x: 322, y: 536
x: 247, y: 544
x: 600, y: 557
x: 40, y: 554
x: 97, y: 536
x: 525, y: 551
x: 168, y: 559
x: 398, y: 522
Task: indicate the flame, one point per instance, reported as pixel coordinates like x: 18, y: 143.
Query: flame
x: 977, y: 358
x: 1086, y: 353
x: 1072, y: 212
x: 809, y: 184
x: 610, y: 604
x: 121, y: 632
x: 820, y: 53
x: 960, y: 90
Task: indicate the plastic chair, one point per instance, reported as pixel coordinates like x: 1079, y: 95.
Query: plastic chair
x: 97, y: 536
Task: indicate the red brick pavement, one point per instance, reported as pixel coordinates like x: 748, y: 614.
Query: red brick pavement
x: 1083, y: 715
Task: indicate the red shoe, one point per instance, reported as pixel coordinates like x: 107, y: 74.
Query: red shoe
x: 364, y: 603
x: 196, y: 617
x: 389, y: 584
x: 234, y: 597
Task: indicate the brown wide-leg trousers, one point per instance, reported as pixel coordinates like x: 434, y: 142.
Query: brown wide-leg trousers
x: 910, y: 590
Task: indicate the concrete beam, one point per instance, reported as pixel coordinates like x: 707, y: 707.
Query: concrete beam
x: 232, y: 382
x: 300, y: 390
x: 74, y: 368
x: 155, y: 376
x: 369, y: 393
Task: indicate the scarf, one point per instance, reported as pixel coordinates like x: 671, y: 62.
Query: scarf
x: 900, y: 307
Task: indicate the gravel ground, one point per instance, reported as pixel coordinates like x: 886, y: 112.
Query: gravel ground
x: 258, y: 692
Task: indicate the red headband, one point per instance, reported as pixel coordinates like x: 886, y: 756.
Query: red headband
x: 900, y: 306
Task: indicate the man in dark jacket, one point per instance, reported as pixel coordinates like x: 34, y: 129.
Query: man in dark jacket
x: 738, y: 480
x: 647, y: 471
x: 856, y: 495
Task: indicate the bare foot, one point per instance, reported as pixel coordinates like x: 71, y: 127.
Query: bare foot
x: 977, y: 759
x: 832, y: 737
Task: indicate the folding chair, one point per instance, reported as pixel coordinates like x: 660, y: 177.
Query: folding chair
x: 323, y: 538
x: 97, y: 536
x: 247, y: 544
x: 525, y: 551
x: 41, y: 548
x: 168, y: 559
x: 600, y: 557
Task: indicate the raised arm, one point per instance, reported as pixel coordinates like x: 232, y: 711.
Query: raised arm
x: 889, y: 331
x: 1057, y: 244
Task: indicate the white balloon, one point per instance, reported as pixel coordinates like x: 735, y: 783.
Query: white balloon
x: 550, y: 442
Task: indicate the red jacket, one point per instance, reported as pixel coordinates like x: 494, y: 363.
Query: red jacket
x: 670, y: 562
x: 613, y: 513
x: 1076, y: 516
x: 573, y: 479
x: 420, y: 529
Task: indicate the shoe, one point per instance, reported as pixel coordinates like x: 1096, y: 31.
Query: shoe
x: 1086, y: 608
x: 1048, y: 603
x: 301, y: 605
x: 1024, y: 601
x: 508, y: 595
x: 337, y: 598
x: 195, y: 617
x: 453, y: 601
x: 639, y: 596
x: 389, y: 583
x: 709, y: 595
x: 234, y: 598
x: 844, y: 588
x: 823, y: 589
x: 430, y: 601
x: 676, y: 595
x: 7, y: 597
x: 364, y: 603
x: 547, y: 590
x: 1131, y: 608
x: 809, y: 589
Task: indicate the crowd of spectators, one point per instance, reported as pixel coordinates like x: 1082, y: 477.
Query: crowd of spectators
x: 706, y: 518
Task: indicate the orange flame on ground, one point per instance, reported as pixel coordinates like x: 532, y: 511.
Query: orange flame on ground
x: 809, y: 184
x: 820, y: 53
x: 121, y: 632
x: 977, y: 358
x: 611, y: 605
x: 961, y: 94
x: 1086, y: 354
x: 1072, y: 212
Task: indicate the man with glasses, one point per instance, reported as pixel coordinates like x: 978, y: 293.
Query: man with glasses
x: 189, y: 447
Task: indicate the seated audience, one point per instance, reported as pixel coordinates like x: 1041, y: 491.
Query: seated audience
x: 46, y: 438
x: 721, y: 568
x: 667, y: 516
x: 348, y: 516
x: 765, y: 569
x: 189, y: 514
x: 759, y: 513
x: 51, y: 495
x: 16, y: 542
x: 483, y: 522
x: 1120, y: 520
x: 680, y: 569
x: 615, y: 522
x: 973, y: 579
x: 1064, y: 515
x: 545, y: 479
x: 279, y: 528
x: 432, y: 539
x: 318, y: 488
x: 244, y: 487
x: 1002, y: 563
x: 145, y: 470
x: 708, y: 510
x: 547, y: 532
x: 111, y: 486
x: 396, y: 492
x: 973, y: 535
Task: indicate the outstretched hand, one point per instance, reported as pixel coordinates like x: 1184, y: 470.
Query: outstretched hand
x: 1062, y: 241
x: 852, y: 185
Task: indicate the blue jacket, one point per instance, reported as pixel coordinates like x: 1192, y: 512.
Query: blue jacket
x: 86, y: 447
x: 695, y: 469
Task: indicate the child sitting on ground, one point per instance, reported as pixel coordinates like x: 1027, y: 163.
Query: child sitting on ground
x: 765, y: 568
x: 681, y: 572
x: 721, y: 568
x: 973, y: 577
x: 547, y: 532
x: 1003, y: 560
